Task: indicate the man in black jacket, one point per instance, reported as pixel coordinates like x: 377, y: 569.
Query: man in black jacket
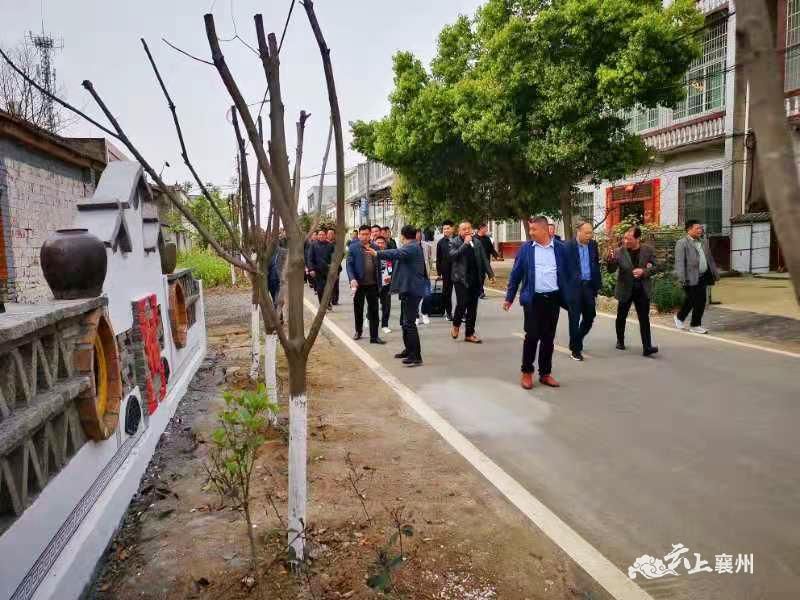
x: 386, y: 232
x: 364, y: 271
x: 443, y: 267
x: 582, y: 286
x: 488, y: 248
x: 331, y: 237
x: 470, y: 266
x: 320, y: 257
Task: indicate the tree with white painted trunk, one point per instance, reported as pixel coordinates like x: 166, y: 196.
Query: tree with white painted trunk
x: 249, y: 247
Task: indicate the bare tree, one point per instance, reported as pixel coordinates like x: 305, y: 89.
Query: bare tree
x: 756, y: 38
x: 22, y: 99
x: 252, y: 250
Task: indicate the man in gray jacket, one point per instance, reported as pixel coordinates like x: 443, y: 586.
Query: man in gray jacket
x: 695, y: 270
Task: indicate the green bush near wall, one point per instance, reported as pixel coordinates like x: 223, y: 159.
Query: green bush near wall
x: 667, y: 294
x: 207, y: 266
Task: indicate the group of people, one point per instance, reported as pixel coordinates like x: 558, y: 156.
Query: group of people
x: 548, y: 274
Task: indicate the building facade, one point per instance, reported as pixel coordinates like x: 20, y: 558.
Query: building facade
x: 368, y: 197
x: 328, y: 201
x: 42, y: 178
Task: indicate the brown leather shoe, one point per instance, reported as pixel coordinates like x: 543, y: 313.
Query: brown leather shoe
x: 549, y: 381
x: 526, y: 381
x: 455, y: 333
x: 473, y: 339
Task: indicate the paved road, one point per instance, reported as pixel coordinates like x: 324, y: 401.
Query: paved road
x: 698, y: 446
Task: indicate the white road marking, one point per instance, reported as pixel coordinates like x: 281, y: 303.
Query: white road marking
x: 602, y: 570
x: 713, y: 338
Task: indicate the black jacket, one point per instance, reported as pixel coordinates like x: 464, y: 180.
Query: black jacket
x: 459, y: 256
x: 443, y: 261
x: 319, y: 257
x: 573, y: 268
x: 488, y: 246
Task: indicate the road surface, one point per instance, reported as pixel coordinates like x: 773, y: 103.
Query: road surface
x: 698, y: 446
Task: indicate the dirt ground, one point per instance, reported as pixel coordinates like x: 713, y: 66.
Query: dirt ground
x: 179, y: 541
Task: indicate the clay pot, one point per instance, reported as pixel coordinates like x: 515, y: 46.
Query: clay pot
x: 74, y: 264
x: 169, y: 257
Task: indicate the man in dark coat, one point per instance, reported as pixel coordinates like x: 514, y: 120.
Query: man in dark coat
x: 444, y: 267
x: 488, y: 248
x: 319, y: 260
x: 364, y: 272
x: 582, y: 286
x: 636, y: 264
x: 410, y: 282
x: 470, y: 266
x: 540, y: 268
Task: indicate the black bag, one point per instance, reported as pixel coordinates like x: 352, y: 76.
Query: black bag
x: 433, y: 304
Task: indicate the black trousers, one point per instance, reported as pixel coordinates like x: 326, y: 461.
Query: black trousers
x: 642, y: 303
x: 319, y: 284
x: 582, y: 313
x: 385, y: 297
x: 447, y: 292
x: 466, y: 306
x: 370, y: 294
x: 695, y: 301
x: 541, y: 320
x: 409, y: 312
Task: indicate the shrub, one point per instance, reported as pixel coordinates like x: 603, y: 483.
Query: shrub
x: 609, y: 281
x: 205, y: 265
x: 667, y: 294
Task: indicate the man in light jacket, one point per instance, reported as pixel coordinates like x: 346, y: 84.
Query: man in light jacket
x: 695, y: 270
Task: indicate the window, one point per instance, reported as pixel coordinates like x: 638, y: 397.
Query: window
x: 513, y: 231
x: 583, y: 207
x: 700, y: 198
x: 705, y: 81
x: 792, y: 65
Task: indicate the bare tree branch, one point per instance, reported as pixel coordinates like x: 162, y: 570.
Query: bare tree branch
x: 168, y: 191
x: 193, y: 57
x: 318, y: 212
x: 258, y: 178
x: 248, y: 219
x: 336, y: 117
x: 298, y: 161
x: 185, y: 154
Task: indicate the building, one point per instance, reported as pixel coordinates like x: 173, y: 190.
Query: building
x: 328, y: 201
x: 368, y: 197
x: 42, y: 178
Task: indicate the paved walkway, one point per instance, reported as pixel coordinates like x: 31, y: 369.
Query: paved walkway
x: 698, y: 446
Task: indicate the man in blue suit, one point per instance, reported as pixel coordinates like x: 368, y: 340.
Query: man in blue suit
x: 582, y: 286
x: 410, y: 281
x: 540, y: 268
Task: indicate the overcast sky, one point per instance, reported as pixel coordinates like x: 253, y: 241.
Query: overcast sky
x: 101, y: 43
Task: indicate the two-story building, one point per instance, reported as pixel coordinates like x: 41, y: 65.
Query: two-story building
x: 328, y: 201
x: 368, y: 197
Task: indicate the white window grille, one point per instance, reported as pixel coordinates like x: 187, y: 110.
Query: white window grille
x: 700, y: 198
x: 513, y: 231
x: 583, y: 207
x: 792, y: 80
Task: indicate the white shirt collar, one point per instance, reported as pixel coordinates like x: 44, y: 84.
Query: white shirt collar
x: 548, y: 245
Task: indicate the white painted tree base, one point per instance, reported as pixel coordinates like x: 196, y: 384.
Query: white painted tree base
x: 255, y: 342
x: 298, y: 442
x: 271, y: 371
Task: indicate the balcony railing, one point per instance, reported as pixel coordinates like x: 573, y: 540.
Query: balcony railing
x: 709, y: 6
x: 793, y: 106
x: 691, y: 132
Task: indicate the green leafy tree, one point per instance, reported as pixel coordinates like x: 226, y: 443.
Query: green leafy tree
x: 201, y: 208
x: 525, y: 100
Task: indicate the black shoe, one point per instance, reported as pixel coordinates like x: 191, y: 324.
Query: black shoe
x: 482, y: 296
x: 576, y: 356
x: 650, y: 351
x: 620, y: 346
x: 357, y: 336
x: 412, y: 362
x: 377, y: 341
x: 402, y: 354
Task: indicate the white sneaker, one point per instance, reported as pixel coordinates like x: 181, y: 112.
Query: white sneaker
x: 678, y: 323
x: 418, y: 322
x: 386, y: 330
x: 698, y: 329
x: 426, y: 319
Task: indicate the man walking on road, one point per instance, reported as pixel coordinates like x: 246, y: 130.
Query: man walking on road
x: 470, y: 266
x: 695, y: 269
x: 444, y: 267
x: 320, y: 256
x: 331, y: 237
x: 583, y: 285
x: 488, y: 248
x: 540, y: 267
x: 386, y: 232
x: 636, y: 263
x: 410, y: 281
x: 364, y: 272
x: 385, y: 286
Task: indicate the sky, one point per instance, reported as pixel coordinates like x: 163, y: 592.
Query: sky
x: 101, y: 42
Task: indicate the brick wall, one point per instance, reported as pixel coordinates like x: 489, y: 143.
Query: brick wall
x: 38, y: 195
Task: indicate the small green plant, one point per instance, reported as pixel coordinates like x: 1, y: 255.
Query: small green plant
x: 386, y: 561
x: 667, y: 294
x: 209, y: 267
x: 234, y: 449
x: 608, y: 281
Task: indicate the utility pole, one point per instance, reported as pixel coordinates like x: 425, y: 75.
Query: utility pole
x: 45, y: 44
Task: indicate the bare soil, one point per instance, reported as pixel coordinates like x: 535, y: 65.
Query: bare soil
x: 179, y: 540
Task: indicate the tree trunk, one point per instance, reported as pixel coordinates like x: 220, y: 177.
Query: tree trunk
x: 271, y: 366
x: 298, y: 449
x: 756, y: 43
x: 565, y: 198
